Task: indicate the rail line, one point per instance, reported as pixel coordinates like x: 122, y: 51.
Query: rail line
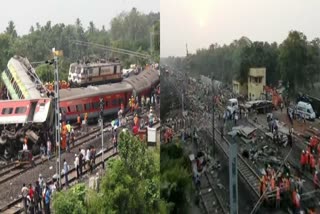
x: 209, y: 195
x: 248, y: 174
x: 16, y: 170
x: 14, y: 208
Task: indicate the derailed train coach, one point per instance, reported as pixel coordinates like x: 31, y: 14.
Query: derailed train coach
x: 20, y: 118
x: 78, y: 101
x: 34, y: 117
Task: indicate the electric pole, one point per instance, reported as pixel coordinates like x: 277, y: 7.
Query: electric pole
x: 57, y: 113
x: 233, y: 176
x: 183, y: 112
x: 213, y: 134
x: 101, y: 123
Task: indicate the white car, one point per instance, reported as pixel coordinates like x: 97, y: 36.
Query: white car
x: 232, y: 105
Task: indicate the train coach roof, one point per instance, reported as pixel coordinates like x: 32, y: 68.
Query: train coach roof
x: 152, y: 76
x: 21, y: 71
x: 143, y: 80
x: 79, y: 93
x: 95, y: 64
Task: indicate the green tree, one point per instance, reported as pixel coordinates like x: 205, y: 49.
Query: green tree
x: 4, y: 50
x: 71, y: 201
x: 293, y: 59
x: 11, y: 30
x: 132, y: 182
x: 176, y: 179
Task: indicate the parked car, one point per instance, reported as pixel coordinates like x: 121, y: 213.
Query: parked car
x: 305, y: 110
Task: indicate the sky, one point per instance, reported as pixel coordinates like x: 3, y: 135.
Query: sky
x: 200, y: 23
x: 25, y: 13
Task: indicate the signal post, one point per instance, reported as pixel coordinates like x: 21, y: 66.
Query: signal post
x: 101, y: 124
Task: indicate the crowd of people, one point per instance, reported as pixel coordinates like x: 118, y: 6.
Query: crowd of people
x: 37, y: 196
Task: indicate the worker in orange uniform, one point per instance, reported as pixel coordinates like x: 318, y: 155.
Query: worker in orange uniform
x: 79, y: 121
x: 312, y: 163
x: 136, y: 120
x: 303, y: 158
x: 308, y: 159
x: 313, y: 143
x: 262, y: 185
x: 311, y: 211
x: 272, y: 182
x: 316, y: 180
x: 132, y: 103
x: 278, y: 197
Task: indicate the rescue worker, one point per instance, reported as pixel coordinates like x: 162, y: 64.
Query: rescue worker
x: 316, y: 180
x: 303, y: 158
x: 273, y: 184
x: 136, y: 120
x: 130, y: 103
x: 311, y: 211
x: 312, y: 164
x: 262, y: 185
x: 133, y: 104
x: 307, y: 159
x: 278, y: 197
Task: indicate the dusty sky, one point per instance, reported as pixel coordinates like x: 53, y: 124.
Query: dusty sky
x: 25, y: 13
x: 203, y: 22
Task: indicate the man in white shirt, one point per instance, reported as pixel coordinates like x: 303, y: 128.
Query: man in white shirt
x: 66, y: 171
x: 49, y: 148
x: 76, y: 165
x: 24, y: 192
x: 88, y: 158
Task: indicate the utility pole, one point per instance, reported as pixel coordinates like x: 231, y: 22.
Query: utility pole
x: 57, y: 113
x: 213, y: 134
x: 101, y: 123
x: 182, y: 94
x: 233, y: 176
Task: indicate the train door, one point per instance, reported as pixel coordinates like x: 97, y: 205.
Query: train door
x: 32, y: 111
x: 115, y: 69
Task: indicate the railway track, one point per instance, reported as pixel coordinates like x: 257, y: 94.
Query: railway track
x: 83, y: 139
x: 248, y: 174
x: 293, y: 161
x: 211, y: 200
x: 14, y: 208
x: 16, y: 170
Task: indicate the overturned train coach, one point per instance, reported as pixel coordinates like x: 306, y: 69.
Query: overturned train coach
x: 20, y: 118
x: 34, y: 118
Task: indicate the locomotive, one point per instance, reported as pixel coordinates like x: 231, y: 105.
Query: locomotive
x: 34, y: 117
x: 93, y: 73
